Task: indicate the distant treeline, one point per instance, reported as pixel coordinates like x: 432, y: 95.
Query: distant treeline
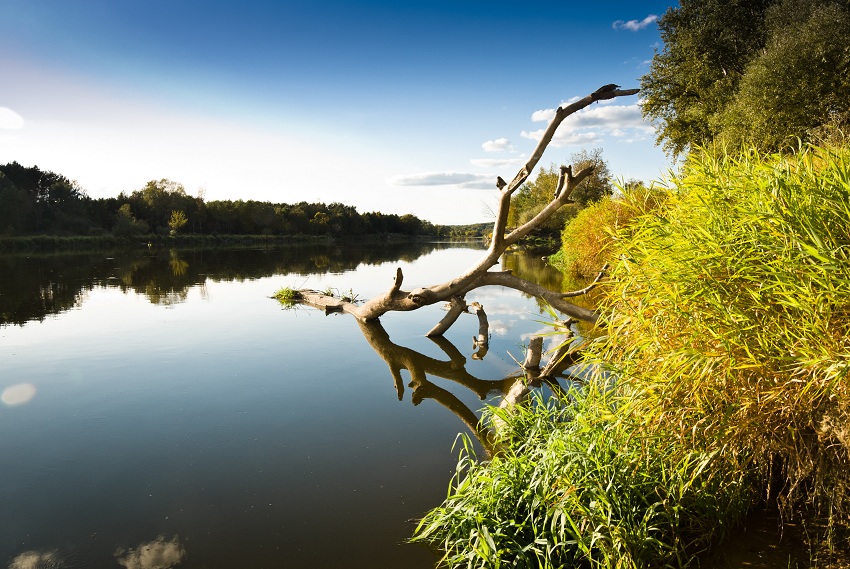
x: 37, y: 202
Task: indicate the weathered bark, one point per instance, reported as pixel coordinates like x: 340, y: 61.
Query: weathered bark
x: 396, y: 299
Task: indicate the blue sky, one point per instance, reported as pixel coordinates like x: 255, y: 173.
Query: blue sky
x: 399, y: 107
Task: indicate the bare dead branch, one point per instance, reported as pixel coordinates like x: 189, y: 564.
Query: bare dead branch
x: 534, y: 289
x: 589, y: 287
x: 476, y: 276
x: 457, y: 306
x: 483, y: 338
x: 533, y: 354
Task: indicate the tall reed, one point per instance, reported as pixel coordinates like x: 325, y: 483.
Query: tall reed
x: 577, y: 486
x: 727, y: 321
x: 730, y: 314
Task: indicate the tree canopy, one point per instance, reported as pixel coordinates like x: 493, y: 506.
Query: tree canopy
x: 757, y: 72
x: 533, y: 196
x: 35, y: 201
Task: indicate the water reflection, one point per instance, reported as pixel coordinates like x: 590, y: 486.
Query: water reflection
x: 36, y: 560
x: 52, y: 284
x: 535, y: 269
x: 18, y: 394
x: 207, y: 427
x: 160, y: 553
x: 510, y: 389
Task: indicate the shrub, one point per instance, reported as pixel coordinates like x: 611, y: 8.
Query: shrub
x: 729, y: 318
x: 587, y: 239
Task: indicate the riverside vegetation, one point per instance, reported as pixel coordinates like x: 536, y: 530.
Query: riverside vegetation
x: 40, y: 210
x: 720, y: 386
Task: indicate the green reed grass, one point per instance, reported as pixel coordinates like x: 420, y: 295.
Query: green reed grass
x: 727, y: 327
x: 288, y: 297
x: 576, y: 487
x: 729, y: 320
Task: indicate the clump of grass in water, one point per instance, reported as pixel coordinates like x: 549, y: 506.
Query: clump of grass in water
x: 347, y: 296
x: 288, y: 297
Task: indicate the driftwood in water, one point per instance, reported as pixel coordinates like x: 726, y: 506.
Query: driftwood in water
x: 455, y: 289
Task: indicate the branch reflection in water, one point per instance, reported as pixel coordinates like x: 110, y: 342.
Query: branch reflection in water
x: 510, y: 390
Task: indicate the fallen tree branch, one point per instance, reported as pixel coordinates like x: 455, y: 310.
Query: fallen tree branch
x: 396, y: 299
x: 589, y: 287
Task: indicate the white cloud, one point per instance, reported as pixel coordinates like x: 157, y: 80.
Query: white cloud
x: 498, y: 145
x: 459, y: 179
x: 496, y: 162
x: 563, y: 138
x: 11, y: 120
x: 545, y: 115
x: 635, y: 25
x: 592, y: 124
x: 607, y: 116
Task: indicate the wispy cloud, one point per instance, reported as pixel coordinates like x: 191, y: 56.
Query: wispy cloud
x: 11, y: 120
x: 635, y: 25
x: 459, y: 179
x: 496, y: 162
x: 591, y: 125
x: 567, y: 139
x: 498, y: 145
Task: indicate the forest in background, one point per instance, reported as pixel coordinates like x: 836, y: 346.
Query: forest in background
x: 40, y: 202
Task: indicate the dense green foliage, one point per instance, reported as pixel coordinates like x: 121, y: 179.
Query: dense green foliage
x: 33, y: 201
x: 533, y: 196
x: 727, y: 325
x: 729, y: 314
x: 587, y: 238
x: 763, y: 73
x: 577, y: 487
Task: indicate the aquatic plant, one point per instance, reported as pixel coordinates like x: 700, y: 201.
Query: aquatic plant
x: 287, y: 296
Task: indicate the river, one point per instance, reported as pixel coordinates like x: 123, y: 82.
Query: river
x: 160, y: 410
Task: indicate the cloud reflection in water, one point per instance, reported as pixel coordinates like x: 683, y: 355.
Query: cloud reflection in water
x: 157, y: 554
x: 35, y: 560
x: 18, y: 394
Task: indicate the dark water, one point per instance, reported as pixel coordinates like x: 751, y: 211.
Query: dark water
x: 160, y: 410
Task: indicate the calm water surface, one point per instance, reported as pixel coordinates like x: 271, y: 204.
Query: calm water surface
x: 160, y: 410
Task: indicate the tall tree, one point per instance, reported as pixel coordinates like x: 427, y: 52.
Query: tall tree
x: 533, y: 196
x: 759, y: 72
x: 800, y: 82
x: 707, y: 46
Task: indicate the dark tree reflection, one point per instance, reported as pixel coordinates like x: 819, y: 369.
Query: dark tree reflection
x: 35, y: 286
